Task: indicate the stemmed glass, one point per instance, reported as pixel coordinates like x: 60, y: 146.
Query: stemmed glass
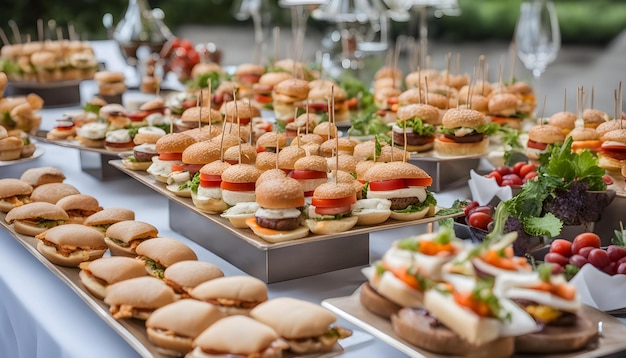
x: 537, y: 35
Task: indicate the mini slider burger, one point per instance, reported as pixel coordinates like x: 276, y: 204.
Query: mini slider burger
x: 305, y: 326
x: 138, y: 118
x: 564, y: 120
x: 233, y: 295
x: 193, y: 159
x: 539, y: 136
x: 240, y: 112
x: 238, y: 336
x: 183, y: 276
x: 42, y: 175
x: 52, y: 192
x: 161, y: 252
x: 34, y: 218
x: 63, y: 129
x: 96, y: 275
x: 287, y: 96
x: 138, y: 297
x: 554, y: 304
x: 464, y: 132
x: 195, y: 117
x: 107, y: 217
x: 264, y: 87
x: 613, y: 150
x: 70, y: 244
x: 404, y: 184
x: 92, y: 134
x: 502, y: 109
x: 206, y: 192
x: 141, y: 159
x: 13, y: 193
x: 279, y: 218
x: 585, y: 138
x: 238, y: 183
x: 174, y: 326
x: 417, y: 122
x: 170, y: 148
x: 311, y: 171
x: 123, y: 237
x: 79, y: 206
x: 331, y: 208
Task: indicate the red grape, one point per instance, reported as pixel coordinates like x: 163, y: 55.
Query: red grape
x: 599, y: 258
x: 561, y: 246
x: 556, y: 258
x: 513, y: 178
x: 469, y: 207
x: 497, y: 176
x: 481, y: 209
x: 529, y: 176
x: 616, y: 252
x: 480, y: 220
x: 585, y: 239
x: 557, y: 269
x: 607, y: 179
x: 610, y: 269
x: 585, y: 251
x: 578, y: 260
x: 504, y: 170
x: 621, y: 261
x: 621, y: 269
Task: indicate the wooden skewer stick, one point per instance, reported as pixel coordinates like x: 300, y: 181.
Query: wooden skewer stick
x: 199, y: 104
x: 59, y: 33
x: 250, y: 110
x: 238, y: 124
x: 621, y: 123
x: 565, y: 101
x: 4, y: 38
x: 615, y: 116
x: 513, y: 59
x: 543, y: 108
x: 276, y: 36
x: 306, y: 126
x: 210, y: 106
x: 71, y: 32
x: 16, y: 31
x: 592, y: 93
x: 40, y: 35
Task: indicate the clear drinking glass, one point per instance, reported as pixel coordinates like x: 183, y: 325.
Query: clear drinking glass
x: 537, y: 35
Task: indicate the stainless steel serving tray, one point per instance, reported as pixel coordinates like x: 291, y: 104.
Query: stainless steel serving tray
x: 270, y: 262
x: 350, y: 308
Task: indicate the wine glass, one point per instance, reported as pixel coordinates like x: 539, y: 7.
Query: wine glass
x: 537, y: 35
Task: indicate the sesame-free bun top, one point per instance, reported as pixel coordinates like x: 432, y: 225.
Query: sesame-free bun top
x: 241, y: 173
x: 333, y: 191
x: 563, y: 120
x: 345, y: 145
x: 288, y: 156
x: 291, y: 90
x: 311, y: 162
x: 214, y: 168
x: 42, y: 175
x: 610, y: 125
x: 165, y: 251
x: 153, y: 104
x: 41, y: 209
x: 174, y: 143
x: 546, y: 134
x: 109, y: 216
x: 190, y: 273
x: 394, y: 170
x: 269, y: 140
x: 129, y: 230
x: 186, y: 317
x: 503, y: 104
x: 205, y: 67
x: 11, y: 187
x: 202, y: 114
x: 386, y: 71
x: 240, y: 108
x: 80, y: 202
x: 249, y: 69
x: 323, y: 130
x: 582, y: 134
x: 201, y: 153
x: 108, y: 76
x: 292, y: 318
x: 265, y: 161
x: 248, y: 153
x: 309, y: 138
x: 280, y: 193
x: 245, y: 288
x: 52, y: 192
x: 594, y: 117
x: 347, y: 163
x: 145, y: 292
x: 115, y: 268
x: 469, y: 118
x: 427, y: 113
x: 236, y: 335
x: 274, y: 78
x: 616, y: 135
x: 75, y: 235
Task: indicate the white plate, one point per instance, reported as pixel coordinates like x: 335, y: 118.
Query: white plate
x: 38, y: 153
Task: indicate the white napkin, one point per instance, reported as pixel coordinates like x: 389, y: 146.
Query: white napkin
x: 599, y: 290
x: 484, y: 189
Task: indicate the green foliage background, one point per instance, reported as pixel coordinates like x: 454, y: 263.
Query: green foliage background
x: 582, y: 21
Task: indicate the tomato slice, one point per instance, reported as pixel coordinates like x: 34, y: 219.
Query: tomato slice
x: 392, y: 100
x: 309, y: 193
x: 419, y: 181
x: 263, y: 99
x: 443, y: 138
x: 237, y: 186
x: 333, y: 210
x: 536, y: 145
x: 318, y: 107
x: 210, y: 177
x: 333, y: 203
x: 137, y: 116
x: 614, y: 148
x: 170, y: 156
x: 210, y: 183
x: 242, y: 121
x: 384, y: 185
x: 177, y: 167
x: 307, y: 174
x: 249, y: 78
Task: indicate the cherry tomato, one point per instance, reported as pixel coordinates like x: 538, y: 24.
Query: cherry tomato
x: 480, y: 220
x: 530, y: 167
x: 469, y: 207
x: 504, y: 170
x: 517, y: 166
x: 557, y: 269
x: 512, y: 178
x: 621, y: 269
x: 561, y: 246
x: 529, y: 176
x: 497, y: 176
x: 607, y: 179
x: 481, y: 209
x: 616, y: 252
x: 556, y: 258
x: 585, y: 239
x: 578, y: 260
x: 599, y: 258
x: 584, y: 252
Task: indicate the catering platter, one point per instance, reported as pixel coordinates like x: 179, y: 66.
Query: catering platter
x: 350, y: 308
x: 270, y: 262
x: 71, y: 143
x: 38, y: 153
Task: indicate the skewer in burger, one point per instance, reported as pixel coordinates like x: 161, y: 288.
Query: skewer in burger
x: 418, y: 121
x: 464, y: 132
x: 539, y: 137
x: 405, y: 185
x: 193, y: 159
x: 279, y: 218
